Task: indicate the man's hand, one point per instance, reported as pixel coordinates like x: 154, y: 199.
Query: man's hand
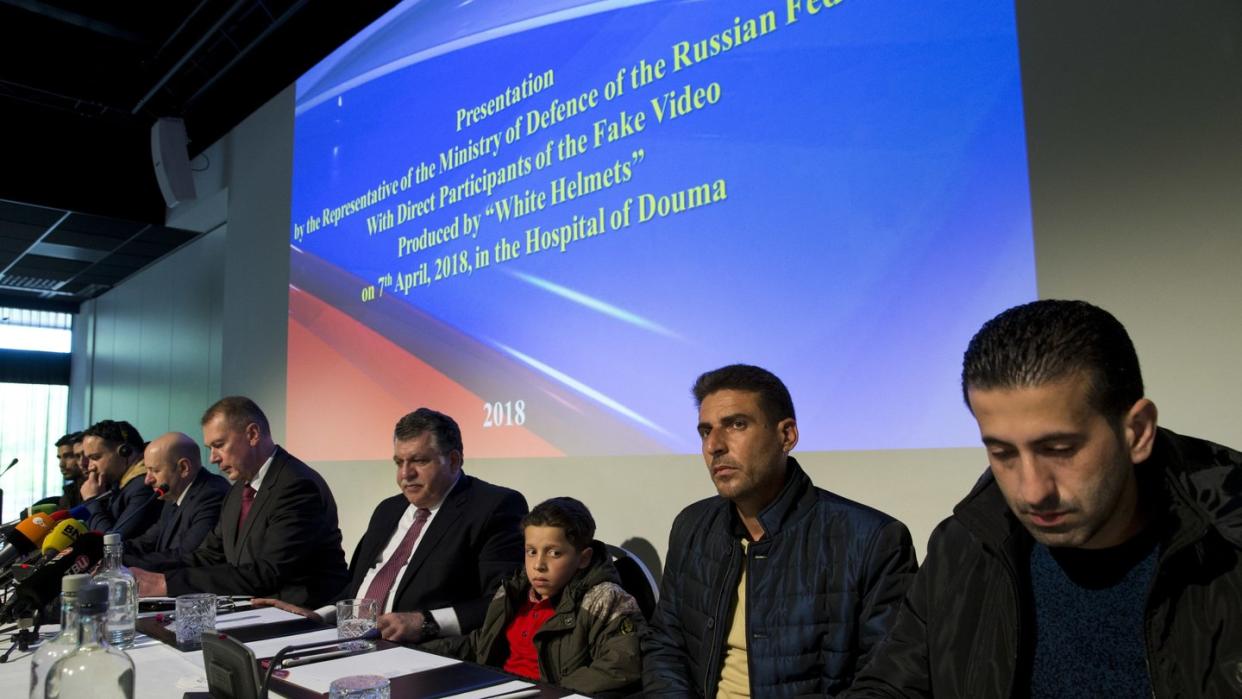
x: 92, y: 485
x: 150, y: 584
x: 400, y: 627
x: 285, y: 606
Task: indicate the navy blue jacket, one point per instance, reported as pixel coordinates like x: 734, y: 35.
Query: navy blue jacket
x: 130, y: 512
x: 823, y: 587
x: 181, y: 527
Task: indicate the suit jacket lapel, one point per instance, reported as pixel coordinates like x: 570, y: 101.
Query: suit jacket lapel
x: 174, y: 525
x: 228, y: 520
x: 368, y: 557
x: 444, y: 522
x: 265, y: 495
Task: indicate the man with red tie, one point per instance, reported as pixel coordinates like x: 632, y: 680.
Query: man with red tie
x: 277, y: 535
x: 434, y: 554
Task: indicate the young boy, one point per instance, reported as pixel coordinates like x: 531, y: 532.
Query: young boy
x: 563, y: 620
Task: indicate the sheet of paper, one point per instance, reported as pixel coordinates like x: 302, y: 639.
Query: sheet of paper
x: 494, y: 691
x: 272, y: 646
x: 250, y: 617
x: 268, y: 648
x: 392, y: 662
x: 161, y: 671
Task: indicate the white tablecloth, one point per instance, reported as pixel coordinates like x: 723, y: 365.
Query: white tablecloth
x: 160, y: 671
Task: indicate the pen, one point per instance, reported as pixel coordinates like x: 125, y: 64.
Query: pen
x: 518, y: 694
x: 320, y: 656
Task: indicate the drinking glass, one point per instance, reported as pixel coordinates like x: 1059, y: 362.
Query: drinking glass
x: 360, y: 687
x: 195, y: 614
x: 355, y: 617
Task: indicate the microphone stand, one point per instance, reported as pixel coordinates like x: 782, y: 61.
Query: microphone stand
x: 27, y: 635
x: 293, y: 653
x: 6, y: 470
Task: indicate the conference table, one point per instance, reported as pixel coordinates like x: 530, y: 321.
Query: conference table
x: 161, y: 671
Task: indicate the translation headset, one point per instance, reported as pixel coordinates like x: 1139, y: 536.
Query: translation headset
x: 125, y: 450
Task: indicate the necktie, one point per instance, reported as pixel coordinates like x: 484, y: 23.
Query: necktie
x: 383, y: 581
x: 247, y: 500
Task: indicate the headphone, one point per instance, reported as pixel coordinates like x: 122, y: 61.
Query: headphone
x: 126, y: 450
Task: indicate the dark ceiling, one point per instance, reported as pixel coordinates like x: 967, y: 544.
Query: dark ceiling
x: 81, y: 84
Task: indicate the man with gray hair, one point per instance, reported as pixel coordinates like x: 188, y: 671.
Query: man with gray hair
x: 434, y: 554
x: 192, y: 497
x: 278, y: 534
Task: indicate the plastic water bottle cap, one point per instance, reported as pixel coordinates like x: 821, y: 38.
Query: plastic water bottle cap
x: 73, y: 583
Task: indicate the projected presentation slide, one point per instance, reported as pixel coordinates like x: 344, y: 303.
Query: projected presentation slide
x: 547, y: 218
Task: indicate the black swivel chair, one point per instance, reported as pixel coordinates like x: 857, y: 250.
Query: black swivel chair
x: 636, y: 579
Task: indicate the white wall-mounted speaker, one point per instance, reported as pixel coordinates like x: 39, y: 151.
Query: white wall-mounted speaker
x: 171, y: 157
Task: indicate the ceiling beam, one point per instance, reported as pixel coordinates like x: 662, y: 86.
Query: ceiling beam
x: 91, y: 24
x: 45, y: 234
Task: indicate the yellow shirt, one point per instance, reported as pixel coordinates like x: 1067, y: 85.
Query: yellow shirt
x: 735, y: 675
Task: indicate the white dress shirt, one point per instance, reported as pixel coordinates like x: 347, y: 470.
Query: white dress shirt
x: 446, y: 617
x: 257, y: 481
x: 181, y: 497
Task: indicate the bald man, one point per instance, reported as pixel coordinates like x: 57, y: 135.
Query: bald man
x: 192, y: 498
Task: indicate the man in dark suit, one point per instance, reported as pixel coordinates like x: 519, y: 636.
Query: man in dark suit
x: 433, y: 555
x: 277, y: 535
x: 192, y: 498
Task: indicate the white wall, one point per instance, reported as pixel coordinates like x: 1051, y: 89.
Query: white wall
x: 149, y: 350
x: 1137, y: 191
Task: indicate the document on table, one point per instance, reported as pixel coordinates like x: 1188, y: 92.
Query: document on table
x: 252, y: 617
x: 269, y: 647
x: 391, y: 662
x: 507, y: 690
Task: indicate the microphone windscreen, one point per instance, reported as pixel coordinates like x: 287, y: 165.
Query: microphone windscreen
x: 46, y: 508
x: 44, y: 583
x: 65, y: 533
x: 80, y: 512
x: 32, y: 530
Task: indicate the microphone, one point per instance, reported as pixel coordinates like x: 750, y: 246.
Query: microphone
x: 10, y: 466
x: 43, y: 585
x: 161, y: 490
x: 45, y: 509
x: 62, y: 536
x: 80, y: 510
x: 26, y: 537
